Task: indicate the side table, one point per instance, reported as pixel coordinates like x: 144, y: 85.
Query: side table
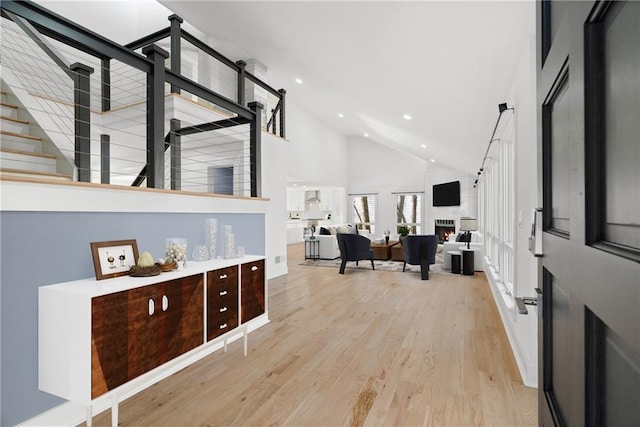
x: 456, y: 261
x: 468, y: 265
x: 311, y: 248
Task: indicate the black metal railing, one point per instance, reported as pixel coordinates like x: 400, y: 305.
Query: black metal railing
x: 276, y: 122
x: 152, y: 64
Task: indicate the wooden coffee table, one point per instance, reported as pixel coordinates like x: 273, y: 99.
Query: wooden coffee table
x: 397, y: 253
x: 382, y: 251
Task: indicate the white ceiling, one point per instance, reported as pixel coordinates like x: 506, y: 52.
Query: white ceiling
x: 447, y: 64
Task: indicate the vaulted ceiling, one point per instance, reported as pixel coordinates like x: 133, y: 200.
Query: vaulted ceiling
x: 446, y: 64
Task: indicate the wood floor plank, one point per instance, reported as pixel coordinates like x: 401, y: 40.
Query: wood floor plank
x: 367, y: 348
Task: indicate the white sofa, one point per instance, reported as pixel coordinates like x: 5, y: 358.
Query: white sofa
x: 476, y: 243
x: 328, y: 246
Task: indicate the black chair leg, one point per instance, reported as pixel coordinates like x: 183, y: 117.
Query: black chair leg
x: 404, y: 266
x: 342, y: 265
x: 356, y: 263
x: 424, y: 270
x: 373, y: 266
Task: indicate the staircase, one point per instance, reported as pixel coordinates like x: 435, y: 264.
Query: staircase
x: 21, y: 154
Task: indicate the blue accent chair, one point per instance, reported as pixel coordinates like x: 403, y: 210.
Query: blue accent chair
x: 420, y: 250
x: 354, y: 247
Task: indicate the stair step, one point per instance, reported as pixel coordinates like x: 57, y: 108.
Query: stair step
x: 8, y: 110
x: 14, y: 125
x: 3, y: 96
x: 25, y: 160
x: 18, y: 173
x: 16, y: 141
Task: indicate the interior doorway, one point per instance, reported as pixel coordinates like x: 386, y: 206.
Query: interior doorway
x: 220, y: 180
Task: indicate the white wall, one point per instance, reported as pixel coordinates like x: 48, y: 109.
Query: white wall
x: 522, y: 329
x: 375, y: 168
x: 438, y: 174
x: 274, y: 187
x: 317, y: 153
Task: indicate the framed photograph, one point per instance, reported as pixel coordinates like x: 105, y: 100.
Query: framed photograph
x: 113, y: 259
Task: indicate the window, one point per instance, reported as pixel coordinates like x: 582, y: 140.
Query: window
x: 497, y: 208
x: 364, y: 211
x: 409, y: 211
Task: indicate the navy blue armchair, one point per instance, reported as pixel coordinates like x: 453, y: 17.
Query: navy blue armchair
x: 420, y: 250
x: 354, y: 247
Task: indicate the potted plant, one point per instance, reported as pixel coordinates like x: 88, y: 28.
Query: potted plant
x: 403, y: 230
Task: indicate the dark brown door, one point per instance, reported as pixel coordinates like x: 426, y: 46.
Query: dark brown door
x: 192, y: 321
x: 589, y: 99
x: 142, y: 330
x: 108, y: 342
x: 252, y: 290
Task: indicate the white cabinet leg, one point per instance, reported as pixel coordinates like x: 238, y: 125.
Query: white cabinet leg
x: 114, y: 410
x: 245, y: 341
x: 89, y: 416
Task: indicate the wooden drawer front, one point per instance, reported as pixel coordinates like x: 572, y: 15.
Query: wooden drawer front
x: 252, y: 290
x: 222, y: 301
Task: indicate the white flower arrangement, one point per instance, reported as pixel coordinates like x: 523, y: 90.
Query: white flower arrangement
x: 175, y: 252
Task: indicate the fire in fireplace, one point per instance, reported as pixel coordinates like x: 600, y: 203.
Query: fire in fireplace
x: 444, y: 228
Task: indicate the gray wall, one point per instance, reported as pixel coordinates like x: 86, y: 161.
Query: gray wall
x: 42, y: 248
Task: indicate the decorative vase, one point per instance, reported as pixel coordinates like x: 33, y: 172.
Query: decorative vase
x: 229, y: 243
x: 211, y: 234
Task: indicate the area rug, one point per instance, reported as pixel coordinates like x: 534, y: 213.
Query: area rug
x: 437, y: 268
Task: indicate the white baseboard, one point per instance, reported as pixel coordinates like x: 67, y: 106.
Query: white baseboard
x: 528, y: 372
x: 73, y: 413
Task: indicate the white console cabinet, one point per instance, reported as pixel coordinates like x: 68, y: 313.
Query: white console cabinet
x: 109, y: 339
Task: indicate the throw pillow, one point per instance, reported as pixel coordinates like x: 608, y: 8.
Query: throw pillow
x: 324, y: 232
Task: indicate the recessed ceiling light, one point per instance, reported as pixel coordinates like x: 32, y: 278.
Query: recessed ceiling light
x: 433, y: 160
x: 299, y: 81
x: 340, y: 115
x: 366, y: 135
x: 423, y: 146
x: 407, y: 117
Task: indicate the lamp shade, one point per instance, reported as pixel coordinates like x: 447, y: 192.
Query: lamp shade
x: 468, y: 224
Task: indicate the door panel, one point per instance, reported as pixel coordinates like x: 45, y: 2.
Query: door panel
x: 621, y: 68
x: 142, y: 331
x: 589, y: 100
x: 109, y: 342
x: 252, y: 293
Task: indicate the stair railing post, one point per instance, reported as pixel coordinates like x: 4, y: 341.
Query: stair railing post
x: 282, y: 93
x: 255, y: 149
x: 105, y: 159
x: 105, y: 84
x: 175, y: 151
x: 241, y: 81
x: 82, y: 119
x: 176, y: 37
x: 155, y: 116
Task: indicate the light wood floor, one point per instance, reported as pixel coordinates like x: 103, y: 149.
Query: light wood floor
x: 364, y: 348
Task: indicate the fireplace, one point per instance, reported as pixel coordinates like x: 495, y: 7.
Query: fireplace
x: 444, y: 227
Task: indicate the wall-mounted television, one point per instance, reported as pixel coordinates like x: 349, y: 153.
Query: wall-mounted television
x: 447, y: 194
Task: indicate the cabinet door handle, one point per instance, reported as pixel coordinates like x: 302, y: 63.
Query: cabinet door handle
x: 223, y: 276
x: 165, y: 303
x: 223, y: 309
x: 224, y: 325
x: 254, y: 268
x: 223, y: 293
x: 152, y: 307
